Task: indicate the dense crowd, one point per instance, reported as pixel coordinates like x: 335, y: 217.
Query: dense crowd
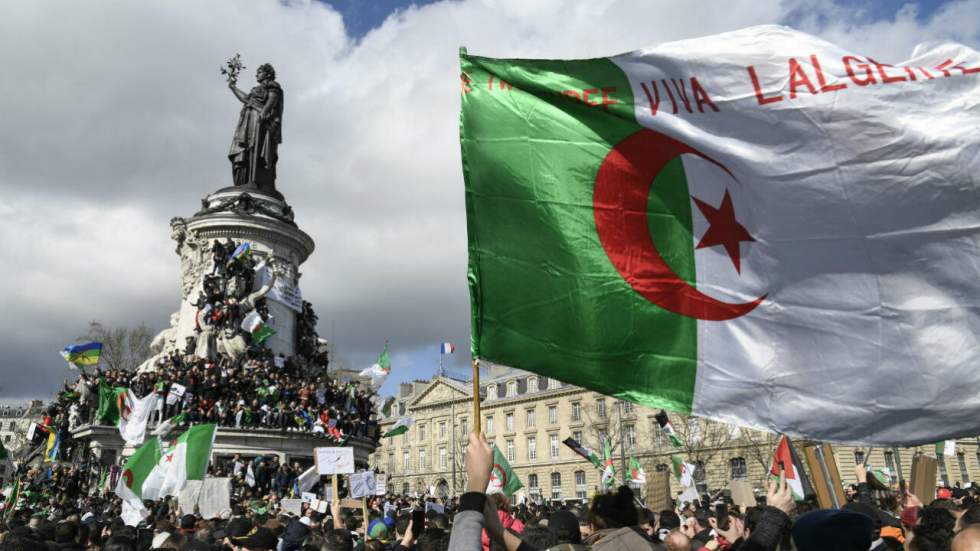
x: 64, y: 517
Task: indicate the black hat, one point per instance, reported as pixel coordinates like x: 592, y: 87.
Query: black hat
x: 259, y: 538
x: 564, y: 526
x: 188, y: 522
x: 238, y: 527
x: 837, y: 529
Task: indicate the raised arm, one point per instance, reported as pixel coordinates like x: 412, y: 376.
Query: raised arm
x: 242, y: 96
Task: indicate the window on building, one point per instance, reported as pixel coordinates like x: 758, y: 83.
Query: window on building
x: 630, y: 437
x: 530, y: 418
x: 555, y: 485
x: 577, y: 436
x: 442, y: 430
x: 961, y: 460
x: 509, y: 421
x: 600, y: 408
x: 890, y: 464
x: 406, y: 463
x: 740, y: 471
x: 422, y: 460
x: 512, y: 389
x: 858, y: 457
x: 627, y: 406
x: 464, y: 426
x: 553, y: 415
x: 553, y: 384
x: 532, y: 485
x: 422, y: 433
x: 6, y: 438
x: 657, y: 432
x: 943, y: 472
x: 443, y: 458
x: 532, y: 448
x: 391, y: 462
x: 491, y: 392
x: 581, y: 491
x: 13, y: 426
x: 406, y: 488
x: 576, y: 411
x: 700, y: 477
x: 488, y: 426
x: 532, y: 384
x: 510, y: 451
x: 554, y: 445
x: 662, y: 467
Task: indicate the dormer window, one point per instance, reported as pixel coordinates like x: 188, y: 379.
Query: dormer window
x: 512, y: 389
x: 491, y: 392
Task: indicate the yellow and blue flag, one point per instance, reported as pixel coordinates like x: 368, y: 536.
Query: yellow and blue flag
x: 82, y: 354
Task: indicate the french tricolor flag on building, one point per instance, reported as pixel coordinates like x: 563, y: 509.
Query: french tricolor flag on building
x: 447, y: 348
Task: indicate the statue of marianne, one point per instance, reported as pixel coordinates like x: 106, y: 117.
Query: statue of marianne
x: 255, y: 145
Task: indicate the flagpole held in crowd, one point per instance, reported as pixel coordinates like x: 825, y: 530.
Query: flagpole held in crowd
x: 476, y: 396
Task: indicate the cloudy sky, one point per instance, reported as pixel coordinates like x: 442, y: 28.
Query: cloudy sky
x: 115, y: 119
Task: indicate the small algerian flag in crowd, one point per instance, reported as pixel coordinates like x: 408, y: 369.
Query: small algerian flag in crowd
x: 640, y: 225
x: 186, y: 459
x: 401, y: 426
x: 447, y: 348
x: 796, y: 477
x: 947, y: 448
x: 136, y: 469
x: 608, y: 469
x: 637, y: 474
x: 884, y: 475
x: 169, y: 425
x: 259, y: 328
x: 668, y: 429
x: 379, y: 371
x: 82, y: 354
x: 134, y: 414
x: 683, y: 471
x: 503, y: 479
x: 583, y: 451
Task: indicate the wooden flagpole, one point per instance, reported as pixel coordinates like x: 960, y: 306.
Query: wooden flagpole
x: 476, y: 396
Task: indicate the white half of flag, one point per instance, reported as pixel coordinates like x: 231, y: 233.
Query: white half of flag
x: 134, y: 416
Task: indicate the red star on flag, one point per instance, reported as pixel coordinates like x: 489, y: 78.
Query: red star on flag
x: 723, y: 229
x: 169, y: 458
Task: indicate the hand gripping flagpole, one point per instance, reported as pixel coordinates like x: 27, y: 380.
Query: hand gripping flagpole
x: 476, y: 396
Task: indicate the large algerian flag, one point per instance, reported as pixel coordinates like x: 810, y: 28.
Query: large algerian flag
x: 109, y: 400
x: 380, y: 370
x: 136, y: 469
x: 134, y: 413
x: 186, y: 459
x: 754, y: 227
x: 401, y: 426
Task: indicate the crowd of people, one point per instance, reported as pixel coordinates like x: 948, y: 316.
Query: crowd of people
x: 64, y: 517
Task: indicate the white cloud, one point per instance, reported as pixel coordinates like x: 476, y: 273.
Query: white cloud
x: 116, y: 119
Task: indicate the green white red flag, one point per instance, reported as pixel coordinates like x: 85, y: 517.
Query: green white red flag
x: 637, y: 474
x: 503, y: 479
x: 754, y: 227
x: 608, y: 468
x: 683, y: 471
x: 186, y: 459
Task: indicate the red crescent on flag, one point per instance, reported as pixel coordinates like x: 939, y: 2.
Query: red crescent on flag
x: 498, y: 472
x: 622, y: 188
x: 128, y: 475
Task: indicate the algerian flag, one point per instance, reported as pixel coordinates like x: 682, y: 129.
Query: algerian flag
x: 747, y: 227
x: 668, y: 429
x: 796, y: 477
x: 503, y: 479
x: 608, y: 469
x: 259, y: 328
x: 401, y: 426
x: 109, y: 399
x: 947, y: 448
x: 186, y: 459
x: 136, y: 469
x: 134, y: 413
x: 169, y: 425
x: 683, y: 472
x: 379, y: 371
x: 637, y: 474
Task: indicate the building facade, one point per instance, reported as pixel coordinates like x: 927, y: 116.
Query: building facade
x: 528, y: 417
x: 15, y: 421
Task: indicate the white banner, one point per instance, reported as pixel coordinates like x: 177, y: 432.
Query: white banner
x: 334, y: 460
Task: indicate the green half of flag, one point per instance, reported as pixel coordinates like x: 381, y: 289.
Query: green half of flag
x: 108, y: 412
x: 383, y: 360
x: 139, y: 465
x: 533, y: 135
x: 502, y: 477
x: 198, y: 440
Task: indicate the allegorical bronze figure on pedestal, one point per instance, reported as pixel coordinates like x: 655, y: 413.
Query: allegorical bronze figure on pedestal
x: 255, y: 146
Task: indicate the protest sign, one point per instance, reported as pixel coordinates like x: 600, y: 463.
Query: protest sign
x: 380, y: 484
x: 309, y: 497
x: 188, y: 496
x: 742, y: 493
x: 214, y: 500
x: 922, y: 483
x: 292, y: 506
x: 334, y: 460
x: 824, y: 475
x: 658, y: 491
x: 362, y: 484
x: 175, y: 394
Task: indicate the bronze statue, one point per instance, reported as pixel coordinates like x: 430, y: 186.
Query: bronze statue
x: 255, y: 145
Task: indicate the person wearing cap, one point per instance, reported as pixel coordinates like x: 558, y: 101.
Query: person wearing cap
x: 259, y: 539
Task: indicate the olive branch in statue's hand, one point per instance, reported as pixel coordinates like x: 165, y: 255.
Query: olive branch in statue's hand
x: 232, y: 68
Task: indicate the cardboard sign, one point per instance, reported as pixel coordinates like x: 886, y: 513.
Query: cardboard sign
x: 362, y: 484
x: 292, y: 506
x: 380, y: 484
x: 827, y: 484
x: 658, y: 491
x: 309, y: 497
x: 922, y: 483
x: 742, y: 493
x: 176, y: 393
x: 334, y: 460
